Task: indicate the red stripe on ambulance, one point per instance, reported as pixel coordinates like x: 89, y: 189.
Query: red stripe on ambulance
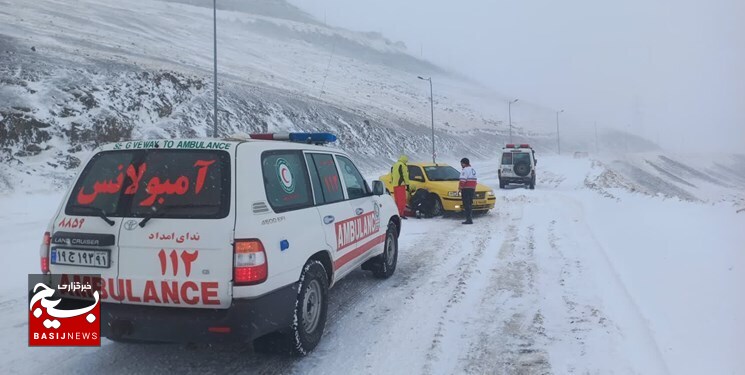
x: 346, y: 258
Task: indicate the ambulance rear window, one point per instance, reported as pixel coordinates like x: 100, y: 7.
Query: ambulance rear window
x: 169, y: 183
x: 521, y: 157
x: 507, y: 158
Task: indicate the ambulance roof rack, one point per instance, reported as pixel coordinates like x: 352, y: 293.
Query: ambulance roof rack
x: 310, y: 138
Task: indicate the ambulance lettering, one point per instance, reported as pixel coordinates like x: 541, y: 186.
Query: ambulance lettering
x: 161, y: 292
x: 165, y: 291
x: 356, y: 229
x: 155, y: 187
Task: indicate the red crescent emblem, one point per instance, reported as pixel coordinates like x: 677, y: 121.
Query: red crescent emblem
x: 284, y: 178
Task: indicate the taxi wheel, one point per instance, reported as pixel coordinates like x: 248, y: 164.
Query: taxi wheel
x: 437, y: 209
x: 310, y: 308
x: 386, y: 262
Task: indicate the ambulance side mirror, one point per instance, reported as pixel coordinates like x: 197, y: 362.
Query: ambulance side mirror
x: 378, y: 188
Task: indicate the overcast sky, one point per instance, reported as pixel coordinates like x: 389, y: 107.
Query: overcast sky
x: 672, y: 70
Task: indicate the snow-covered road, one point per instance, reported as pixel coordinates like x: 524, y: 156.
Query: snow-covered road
x: 560, y: 279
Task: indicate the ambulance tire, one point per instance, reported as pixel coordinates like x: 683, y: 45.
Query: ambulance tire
x: 384, y: 265
x: 311, y: 307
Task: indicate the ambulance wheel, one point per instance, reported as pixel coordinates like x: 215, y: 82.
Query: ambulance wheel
x: 310, y: 308
x: 532, y: 184
x: 437, y: 209
x: 385, y: 264
x: 501, y: 184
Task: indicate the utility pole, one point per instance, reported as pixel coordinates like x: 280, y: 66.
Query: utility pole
x: 432, y: 108
x: 214, y: 104
x: 509, y: 113
x: 558, y: 139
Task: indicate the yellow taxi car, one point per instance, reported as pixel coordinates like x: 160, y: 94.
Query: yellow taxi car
x: 441, y: 180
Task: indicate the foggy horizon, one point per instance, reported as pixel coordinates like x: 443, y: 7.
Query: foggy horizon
x: 668, y: 72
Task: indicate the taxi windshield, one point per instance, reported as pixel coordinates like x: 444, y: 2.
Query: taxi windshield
x: 136, y: 183
x: 442, y: 173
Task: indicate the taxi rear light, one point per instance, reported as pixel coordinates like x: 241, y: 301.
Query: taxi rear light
x: 249, y: 262
x: 45, y: 252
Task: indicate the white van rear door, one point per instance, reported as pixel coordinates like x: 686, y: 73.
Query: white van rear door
x: 175, y: 242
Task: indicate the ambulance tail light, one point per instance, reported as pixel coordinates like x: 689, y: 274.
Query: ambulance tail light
x: 45, y: 252
x: 249, y: 262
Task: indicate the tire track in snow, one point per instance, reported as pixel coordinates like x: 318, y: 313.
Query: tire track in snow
x: 580, y: 317
x: 511, y: 333
x: 464, y: 273
x: 394, y: 306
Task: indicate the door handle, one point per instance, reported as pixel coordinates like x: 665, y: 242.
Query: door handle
x: 328, y: 219
x: 359, y: 211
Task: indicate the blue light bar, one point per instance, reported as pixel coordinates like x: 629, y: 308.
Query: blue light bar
x: 316, y: 138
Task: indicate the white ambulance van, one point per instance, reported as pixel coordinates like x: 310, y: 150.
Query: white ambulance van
x: 221, y: 240
x: 517, y: 166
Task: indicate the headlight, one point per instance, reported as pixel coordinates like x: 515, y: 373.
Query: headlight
x: 490, y: 193
x: 453, y: 194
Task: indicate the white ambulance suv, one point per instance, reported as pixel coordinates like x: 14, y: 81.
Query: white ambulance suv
x: 221, y: 240
x: 517, y: 166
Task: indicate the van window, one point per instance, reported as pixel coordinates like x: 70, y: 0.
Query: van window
x: 521, y: 157
x: 507, y: 158
x: 315, y: 181
x: 415, y: 173
x: 353, y: 180
x: 442, y: 173
x: 286, y: 180
x: 171, y: 183
x: 329, y: 178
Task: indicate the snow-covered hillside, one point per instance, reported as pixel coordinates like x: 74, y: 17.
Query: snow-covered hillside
x: 563, y: 279
x: 80, y: 73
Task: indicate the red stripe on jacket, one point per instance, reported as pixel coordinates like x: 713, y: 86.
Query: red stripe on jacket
x: 467, y: 184
x: 467, y: 178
